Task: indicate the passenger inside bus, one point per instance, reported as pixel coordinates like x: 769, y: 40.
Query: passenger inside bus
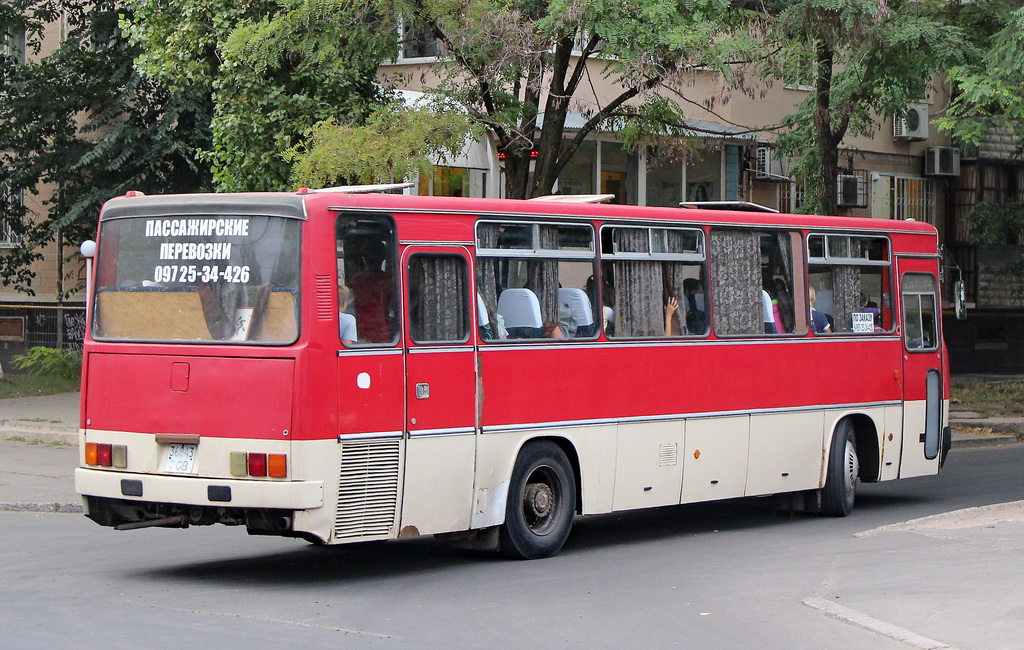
x: 767, y: 314
x: 346, y: 321
x: 819, y: 323
x: 671, y: 325
x: 782, y: 306
x: 696, y: 318
x: 373, y: 289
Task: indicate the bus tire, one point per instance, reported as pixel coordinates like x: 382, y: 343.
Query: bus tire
x: 840, y: 489
x: 541, y: 503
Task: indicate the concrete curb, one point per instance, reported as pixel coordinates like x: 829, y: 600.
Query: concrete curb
x: 33, y: 434
x: 31, y: 506
x: 984, y: 441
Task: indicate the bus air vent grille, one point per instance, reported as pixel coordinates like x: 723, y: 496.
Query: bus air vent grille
x: 324, y: 304
x: 367, y: 489
x: 668, y: 455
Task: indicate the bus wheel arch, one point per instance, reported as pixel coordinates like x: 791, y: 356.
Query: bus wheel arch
x: 542, y: 500
x: 868, y: 448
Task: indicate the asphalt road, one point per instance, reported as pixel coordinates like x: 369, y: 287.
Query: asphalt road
x: 720, y: 575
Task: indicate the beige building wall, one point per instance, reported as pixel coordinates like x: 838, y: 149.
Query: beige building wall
x: 53, y: 274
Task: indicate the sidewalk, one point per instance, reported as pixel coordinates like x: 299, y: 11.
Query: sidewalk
x: 39, y: 449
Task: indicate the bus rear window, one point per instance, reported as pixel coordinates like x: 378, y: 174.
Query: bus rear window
x: 218, y: 279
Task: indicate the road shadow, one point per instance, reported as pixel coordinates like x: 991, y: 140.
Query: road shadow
x: 353, y: 563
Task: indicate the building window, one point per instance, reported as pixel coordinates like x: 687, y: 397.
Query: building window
x: 12, y: 53
x: 10, y: 218
x: 445, y: 181
x: 913, y: 198
x: 417, y: 40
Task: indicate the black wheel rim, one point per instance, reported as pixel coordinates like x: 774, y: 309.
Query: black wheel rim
x: 542, y: 500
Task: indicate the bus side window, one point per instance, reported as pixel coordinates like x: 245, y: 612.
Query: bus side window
x: 851, y: 278
x: 523, y: 272
x: 920, y: 329
x: 438, y: 306
x: 644, y: 271
x: 754, y: 284
x: 366, y: 265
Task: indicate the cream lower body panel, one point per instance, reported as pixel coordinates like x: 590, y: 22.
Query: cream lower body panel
x: 913, y: 461
x: 192, y: 490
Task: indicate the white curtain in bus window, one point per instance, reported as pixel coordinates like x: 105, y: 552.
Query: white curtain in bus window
x: 851, y: 279
x: 198, y: 278
x: 736, y: 282
x: 638, y: 288
x: 752, y: 275
x: 920, y: 327
x: 438, y: 310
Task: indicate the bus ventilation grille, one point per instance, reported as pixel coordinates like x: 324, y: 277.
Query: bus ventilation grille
x: 324, y: 303
x: 367, y: 489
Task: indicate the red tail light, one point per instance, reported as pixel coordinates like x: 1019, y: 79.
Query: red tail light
x: 257, y: 464
x: 104, y: 455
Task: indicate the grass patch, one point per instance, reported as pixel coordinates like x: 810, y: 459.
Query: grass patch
x: 23, y: 385
x: 990, y: 398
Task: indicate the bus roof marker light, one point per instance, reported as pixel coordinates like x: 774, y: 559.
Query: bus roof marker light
x: 134, y: 193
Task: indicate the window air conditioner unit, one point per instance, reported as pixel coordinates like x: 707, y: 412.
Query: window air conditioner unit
x: 851, y: 191
x: 767, y: 167
x: 762, y: 163
x: 942, y: 161
x: 913, y: 125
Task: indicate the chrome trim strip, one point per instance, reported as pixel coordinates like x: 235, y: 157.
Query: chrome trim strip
x: 549, y: 344
x: 681, y: 417
x: 362, y: 437
x: 463, y: 348
x: 683, y: 218
x: 917, y: 256
x: 434, y: 244
x: 356, y: 352
x: 436, y: 433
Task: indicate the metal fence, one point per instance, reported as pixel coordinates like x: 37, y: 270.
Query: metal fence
x: 24, y: 326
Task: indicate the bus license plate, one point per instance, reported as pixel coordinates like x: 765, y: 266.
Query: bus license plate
x: 180, y: 458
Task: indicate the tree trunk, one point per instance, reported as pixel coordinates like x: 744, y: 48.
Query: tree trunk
x: 828, y: 143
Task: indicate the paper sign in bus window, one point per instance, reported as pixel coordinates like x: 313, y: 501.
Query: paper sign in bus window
x: 863, y: 322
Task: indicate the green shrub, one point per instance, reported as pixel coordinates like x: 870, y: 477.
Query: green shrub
x: 39, y: 360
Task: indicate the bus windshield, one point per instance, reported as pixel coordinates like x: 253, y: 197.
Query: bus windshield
x: 216, y: 278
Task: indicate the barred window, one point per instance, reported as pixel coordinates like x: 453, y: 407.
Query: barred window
x: 913, y: 198
x: 10, y: 218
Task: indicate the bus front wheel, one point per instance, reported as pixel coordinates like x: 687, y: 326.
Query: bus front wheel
x: 541, y: 503
x: 840, y: 489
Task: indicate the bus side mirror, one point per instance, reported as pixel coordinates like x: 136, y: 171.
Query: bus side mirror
x: 959, y: 300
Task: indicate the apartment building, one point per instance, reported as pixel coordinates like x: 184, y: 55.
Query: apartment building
x: 44, y: 318
x: 906, y: 169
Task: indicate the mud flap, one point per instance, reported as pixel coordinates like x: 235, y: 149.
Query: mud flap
x: 947, y: 442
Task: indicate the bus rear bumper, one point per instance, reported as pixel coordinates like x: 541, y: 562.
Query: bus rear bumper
x: 199, y: 491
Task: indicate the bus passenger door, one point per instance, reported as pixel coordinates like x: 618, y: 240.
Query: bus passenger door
x: 440, y: 390
x: 922, y: 367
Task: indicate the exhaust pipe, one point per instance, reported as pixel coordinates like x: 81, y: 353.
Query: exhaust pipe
x: 177, y: 521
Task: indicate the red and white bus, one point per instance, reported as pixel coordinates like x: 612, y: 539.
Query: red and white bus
x: 344, y: 367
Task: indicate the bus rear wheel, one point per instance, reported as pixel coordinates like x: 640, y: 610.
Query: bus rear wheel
x: 840, y: 489
x: 541, y: 503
